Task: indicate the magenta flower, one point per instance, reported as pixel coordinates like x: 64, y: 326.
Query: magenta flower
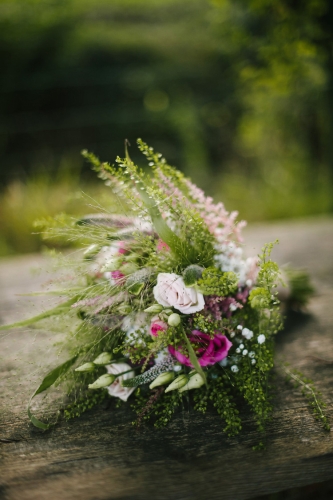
x: 115, y: 277
x: 209, y: 350
x: 122, y: 248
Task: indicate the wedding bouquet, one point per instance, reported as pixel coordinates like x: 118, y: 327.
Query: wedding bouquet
x: 166, y: 311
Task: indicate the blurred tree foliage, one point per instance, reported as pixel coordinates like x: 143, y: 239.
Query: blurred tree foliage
x: 238, y: 93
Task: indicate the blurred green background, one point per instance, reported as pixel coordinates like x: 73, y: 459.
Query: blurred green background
x: 237, y: 93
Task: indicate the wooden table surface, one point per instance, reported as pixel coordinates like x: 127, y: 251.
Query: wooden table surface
x: 102, y: 456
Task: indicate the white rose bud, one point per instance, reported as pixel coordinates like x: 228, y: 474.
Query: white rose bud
x: 195, y: 382
x: 248, y: 334
x: 103, y: 359
x: 154, y: 309
x: 174, y: 319
x: 163, y: 378
x: 177, y: 383
x: 87, y: 367
x: 103, y: 381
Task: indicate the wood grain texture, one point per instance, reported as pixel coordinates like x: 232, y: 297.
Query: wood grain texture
x: 102, y: 456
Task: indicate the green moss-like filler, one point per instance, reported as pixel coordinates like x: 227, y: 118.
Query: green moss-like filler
x: 192, y: 274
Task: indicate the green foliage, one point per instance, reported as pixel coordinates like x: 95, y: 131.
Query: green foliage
x: 252, y: 382
x: 264, y: 296
x: 260, y: 298
x: 224, y: 403
x: 84, y: 403
x: 192, y: 243
x: 154, y: 407
x: 215, y: 282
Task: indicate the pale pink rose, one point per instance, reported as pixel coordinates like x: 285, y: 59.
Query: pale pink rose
x: 171, y: 291
x: 116, y: 389
x: 157, y: 325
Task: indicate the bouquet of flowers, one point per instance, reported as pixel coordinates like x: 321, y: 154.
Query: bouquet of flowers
x: 165, y: 308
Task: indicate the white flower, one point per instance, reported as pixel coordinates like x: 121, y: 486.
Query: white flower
x: 241, y: 346
x: 171, y: 291
x: 248, y: 334
x: 229, y: 258
x: 239, y: 327
x: 161, y: 356
x: 116, y: 389
x: 224, y: 362
x: 253, y: 361
x: 245, y: 352
x: 252, y: 354
x: 134, y: 322
x: 234, y: 368
x: 261, y: 339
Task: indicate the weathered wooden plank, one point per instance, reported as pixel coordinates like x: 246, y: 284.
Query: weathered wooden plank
x: 102, y: 456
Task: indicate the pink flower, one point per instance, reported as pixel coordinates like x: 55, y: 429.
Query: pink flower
x: 208, y: 350
x: 121, y: 246
x: 171, y: 291
x: 162, y: 246
x: 157, y: 325
x: 116, y: 389
x: 117, y: 275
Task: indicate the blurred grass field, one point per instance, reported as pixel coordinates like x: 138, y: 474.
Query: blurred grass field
x: 238, y: 94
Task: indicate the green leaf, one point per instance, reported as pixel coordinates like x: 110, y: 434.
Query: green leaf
x: 47, y: 382
x: 161, y: 227
x: 60, y: 309
x: 194, y: 359
x: 135, y: 288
